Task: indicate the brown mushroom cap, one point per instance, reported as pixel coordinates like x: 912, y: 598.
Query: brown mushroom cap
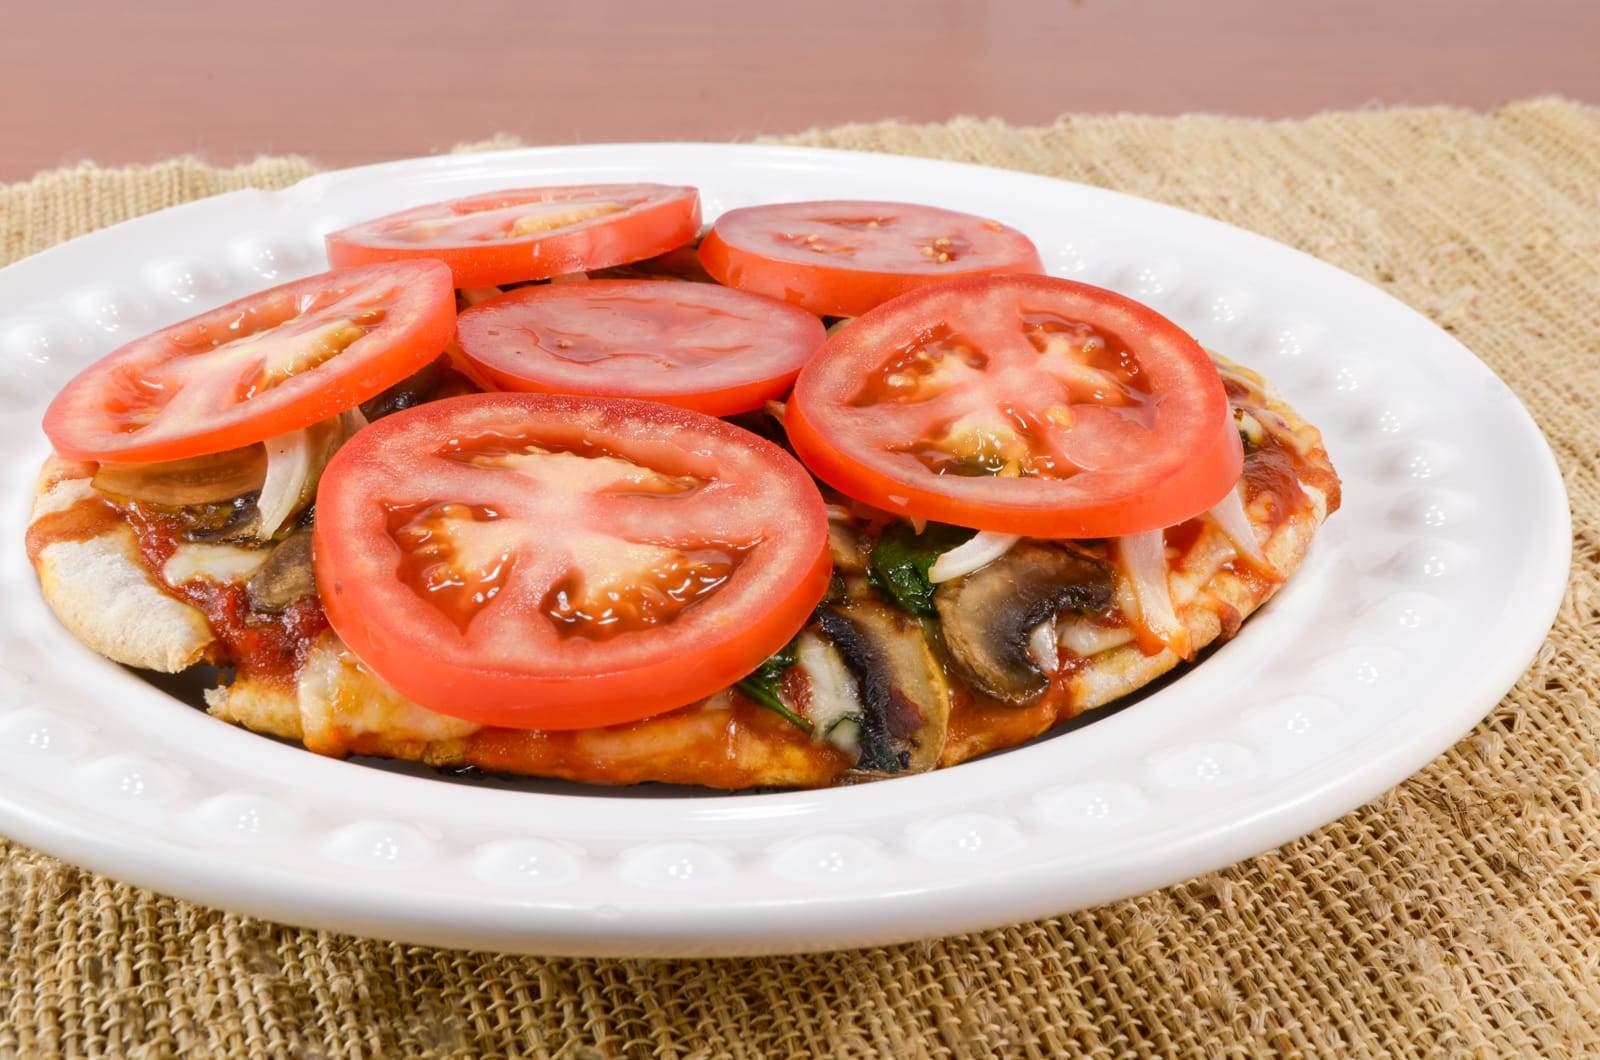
x: 286, y: 576
x: 987, y: 615
x: 904, y: 696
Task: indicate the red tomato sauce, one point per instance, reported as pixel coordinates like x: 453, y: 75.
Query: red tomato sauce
x: 261, y: 645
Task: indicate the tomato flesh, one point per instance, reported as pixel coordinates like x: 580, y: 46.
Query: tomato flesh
x: 262, y: 366
x: 698, y: 346
x: 529, y: 233
x: 554, y: 562
x: 1018, y: 404
x: 843, y: 258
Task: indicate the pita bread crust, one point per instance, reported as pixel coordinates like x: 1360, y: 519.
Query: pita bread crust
x: 102, y: 593
x: 340, y: 707
x: 1119, y: 671
x: 268, y: 709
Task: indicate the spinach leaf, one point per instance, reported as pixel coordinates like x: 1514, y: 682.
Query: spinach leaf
x: 762, y: 686
x: 899, y: 564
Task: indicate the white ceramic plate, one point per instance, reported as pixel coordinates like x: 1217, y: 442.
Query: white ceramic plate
x: 1419, y: 605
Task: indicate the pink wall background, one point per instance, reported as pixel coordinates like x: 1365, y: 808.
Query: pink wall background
x: 362, y: 80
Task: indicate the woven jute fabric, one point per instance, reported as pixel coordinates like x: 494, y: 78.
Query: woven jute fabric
x: 1459, y: 914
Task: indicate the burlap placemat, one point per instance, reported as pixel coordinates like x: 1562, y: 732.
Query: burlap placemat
x: 1458, y: 914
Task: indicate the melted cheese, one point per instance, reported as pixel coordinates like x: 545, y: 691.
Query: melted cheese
x: 1318, y: 499
x: 340, y: 699
x: 63, y: 495
x: 225, y: 564
x: 1206, y: 556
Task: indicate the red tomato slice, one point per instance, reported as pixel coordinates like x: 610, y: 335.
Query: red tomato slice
x: 274, y: 362
x: 549, y: 562
x: 695, y: 345
x: 1020, y: 404
x: 529, y: 233
x: 843, y: 258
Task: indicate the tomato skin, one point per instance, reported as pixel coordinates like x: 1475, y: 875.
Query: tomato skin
x: 419, y: 307
x: 667, y: 220
x: 1194, y: 458
x: 751, y: 249
x: 728, y: 401
x: 571, y: 682
x: 712, y: 349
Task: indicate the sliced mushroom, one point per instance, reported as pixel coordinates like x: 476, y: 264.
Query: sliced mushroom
x: 216, y: 524
x: 285, y: 577
x: 844, y: 544
x: 905, y: 701
x: 216, y: 478
x: 989, y: 615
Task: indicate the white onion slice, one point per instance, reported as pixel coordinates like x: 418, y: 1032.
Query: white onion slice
x: 980, y: 551
x: 294, y: 463
x: 1143, y: 558
x: 289, y: 467
x: 1231, y: 519
x: 1042, y: 647
x: 1084, y: 638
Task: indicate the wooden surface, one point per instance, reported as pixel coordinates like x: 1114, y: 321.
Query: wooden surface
x: 361, y: 80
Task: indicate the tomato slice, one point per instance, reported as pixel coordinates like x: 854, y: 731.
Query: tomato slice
x: 695, y: 345
x: 843, y: 258
x: 274, y: 362
x: 529, y: 233
x: 1019, y: 404
x: 544, y: 561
